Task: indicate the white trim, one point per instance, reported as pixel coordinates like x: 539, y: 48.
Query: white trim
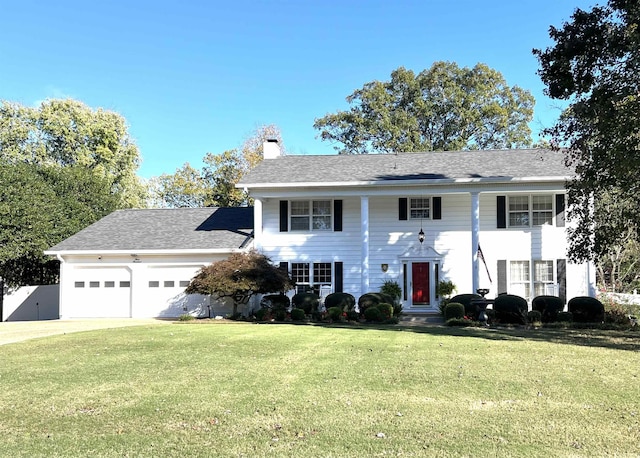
x: 145, y: 252
x: 364, y: 236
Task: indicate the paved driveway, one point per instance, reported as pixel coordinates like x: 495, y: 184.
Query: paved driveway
x: 17, y: 331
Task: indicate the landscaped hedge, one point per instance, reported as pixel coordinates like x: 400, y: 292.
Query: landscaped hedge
x: 465, y: 300
x: 275, y: 302
x: 306, y: 301
x: 510, y: 309
x: 586, y: 309
x: 344, y: 301
x: 369, y: 299
x: 548, y: 306
x: 453, y: 310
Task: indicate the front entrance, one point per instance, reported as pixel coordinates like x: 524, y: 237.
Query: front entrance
x: 420, y: 278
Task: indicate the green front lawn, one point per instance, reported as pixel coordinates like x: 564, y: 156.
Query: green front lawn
x: 286, y: 390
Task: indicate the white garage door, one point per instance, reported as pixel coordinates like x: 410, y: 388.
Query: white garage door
x: 100, y: 292
x: 164, y: 295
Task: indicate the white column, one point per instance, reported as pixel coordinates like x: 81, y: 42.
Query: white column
x: 364, y: 236
x: 475, y: 231
x: 257, y: 224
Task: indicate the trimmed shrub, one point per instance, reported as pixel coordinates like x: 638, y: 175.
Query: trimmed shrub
x: 343, y: 300
x: 454, y: 310
x: 373, y: 313
x: 186, y: 317
x: 534, y: 316
x: 261, y: 313
x: 397, y: 310
x: 465, y: 300
x: 565, y: 317
x: 386, y: 310
x: 511, y: 309
x: 548, y: 306
x: 392, y: 289
x: 280, y: 314
x: 352, y: 315
x: 297, y: 314
x: 308, y: 302
x: 335, y: 313
x: 586, y: 309
x: 369, y: 299
x: 275, y: 302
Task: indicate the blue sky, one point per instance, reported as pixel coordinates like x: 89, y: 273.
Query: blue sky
x: 193, y: 77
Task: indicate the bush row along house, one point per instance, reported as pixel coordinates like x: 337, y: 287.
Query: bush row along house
x: 481, y: 219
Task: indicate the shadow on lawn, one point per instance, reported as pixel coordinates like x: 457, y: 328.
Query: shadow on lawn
x: 616, y: 340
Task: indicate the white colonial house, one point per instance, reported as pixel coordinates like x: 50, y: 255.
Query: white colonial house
x: 137, y: 263
x: 351, y: 222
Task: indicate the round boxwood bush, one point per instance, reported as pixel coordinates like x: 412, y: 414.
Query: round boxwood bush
x: 335, y: 313
x: 453, y: 310
x: 275, y: 302
x: 261, y: 313
x: 465, y: 300
x: 373, y: 313
x: 511, y: 309
x: 306, y: 301
x: 386, y: 309
x: 297, y: 314
x: 586, y: 309
x: 343, y: 300
x: 548, y: 306
x: 369, y: 299
x: 534, y: 316
x: 565, y: 317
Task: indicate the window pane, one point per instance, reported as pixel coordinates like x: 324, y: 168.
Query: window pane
x: 519, y: 271
x: 184, y: 283
x: 169, y: 284
x: 94, y: 284
x: 79, y: 284
x: 542, y: 203
x: 519, y: 219
x: 322, y: 272
x: 322, y: 207
x: 322, y: 223
x: 299, y: 207
x: 543, y: 271
x: 300, y: 272
x: 154, y: 284
x: 299, y: 223
x: 419, y: 208
x: 518, y: 203
x: 109, y: 284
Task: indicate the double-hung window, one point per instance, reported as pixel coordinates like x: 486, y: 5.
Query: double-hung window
x: 310, y: 215
x: 543, y: 278
x: 520, y: 279
x: 526, y: 210
x: 420, y: 208
x: 523, y: 283
x: 310, y: 277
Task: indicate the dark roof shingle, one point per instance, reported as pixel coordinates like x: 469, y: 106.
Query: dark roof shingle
x: 164, y: 229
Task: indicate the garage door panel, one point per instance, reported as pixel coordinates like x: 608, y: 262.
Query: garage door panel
x: 101, y: 292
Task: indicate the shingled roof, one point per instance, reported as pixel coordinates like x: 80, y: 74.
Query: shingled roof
x: 164, y: 229
x: 375, y: 168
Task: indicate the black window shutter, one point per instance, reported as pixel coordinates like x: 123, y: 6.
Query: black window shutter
x: 560, y: 210
x: 437, y: 208
x: 501, y: 211
x: 402, y: 208
x: 284, y: 265
x: 502, y: 276
x: 561, y: 269
x: 339, y: 282
x: 284, y: 215
x: 337, y: 216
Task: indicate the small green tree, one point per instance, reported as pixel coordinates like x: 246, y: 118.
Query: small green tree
x: 239, y: 277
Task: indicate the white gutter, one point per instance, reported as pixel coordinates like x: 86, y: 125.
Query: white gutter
x: 61, y: 253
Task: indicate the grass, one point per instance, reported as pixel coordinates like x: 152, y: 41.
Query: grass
x: 317, y: 391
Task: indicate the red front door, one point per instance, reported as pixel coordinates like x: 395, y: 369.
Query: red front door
x: 420, y: 279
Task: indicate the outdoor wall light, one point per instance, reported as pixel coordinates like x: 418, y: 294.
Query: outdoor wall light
x: 421, y: 236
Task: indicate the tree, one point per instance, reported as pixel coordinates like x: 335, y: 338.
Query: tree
x: 442, y: 108
x: 41, y: 205
x: 594, y: 64
x: 215, y: 184
x: 69, y: 133
x: 239, y: 277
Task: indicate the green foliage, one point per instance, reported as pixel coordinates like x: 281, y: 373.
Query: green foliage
x: 534, y: 316
x: 352, y: 315
x: 392, y: 289
x: 454, y: 310
x: 41, y: 205
x: 280, y: 315
x: 373, y: 314
x: 442, y: 108
x: 309, y: 302
x: 335, y: 313
x: 386, y: 309
x: 261, y: 314
x: 66, y: 133
x: 510, y: 309
x: 275, y: 301
x: 239, y: 277
x: 370, y: 299
x: 594, y: 63
x: 565, y: 317
x: 445, y: 288
x: 215, y: 184
x: 297, y: 314
x: 462, y: 322
x: 397, y: 310
x: 345, y: 301
x: 466, y: 299
x: 186, y: 317
x: 586, y: 309
x: 548, y: 306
